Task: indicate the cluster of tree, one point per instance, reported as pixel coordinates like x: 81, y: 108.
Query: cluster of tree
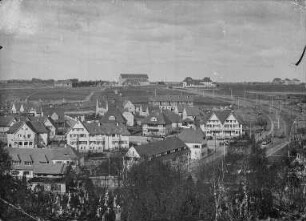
x: 242, y: 186
x: 88, y: 83
x: 33, y: 80
x: 82, y: 202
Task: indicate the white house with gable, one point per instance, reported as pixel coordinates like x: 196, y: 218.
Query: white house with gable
x: 222, y: 124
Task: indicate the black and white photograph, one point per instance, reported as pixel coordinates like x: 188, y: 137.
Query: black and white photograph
x: 152, y: 110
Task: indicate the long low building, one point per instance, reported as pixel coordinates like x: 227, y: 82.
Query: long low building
x: 170, y: 102
x: 171, y: 150
x: 48, y: 162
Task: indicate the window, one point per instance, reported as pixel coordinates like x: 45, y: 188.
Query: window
x: 19, y: 135
x: 20, y: 143
x: 111, y: 118
x: 28, y: 163
x: 26, y: 143
x: 29, y: 135
x: 30, y: 143
x: 153, y: 119
x: 196, y: 146
x: 26, y: 173
x: 15, y: 162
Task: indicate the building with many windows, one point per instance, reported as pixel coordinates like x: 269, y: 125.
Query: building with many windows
x: 94, y: 137
x: 222, y: 124
x: 156, y: 124
x: 27, y: 134
x: 170, y: 102
x: 44, y: 166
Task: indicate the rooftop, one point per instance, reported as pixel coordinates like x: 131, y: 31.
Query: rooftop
x: 192, y: 135
x: 150, y: 149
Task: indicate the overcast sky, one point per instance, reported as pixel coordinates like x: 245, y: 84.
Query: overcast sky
x: 169, y: 40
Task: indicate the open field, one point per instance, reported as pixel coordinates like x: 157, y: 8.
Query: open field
x: 46, y: 94
x: 239, y: 89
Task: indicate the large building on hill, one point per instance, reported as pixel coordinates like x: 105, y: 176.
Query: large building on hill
x: 133, y: 79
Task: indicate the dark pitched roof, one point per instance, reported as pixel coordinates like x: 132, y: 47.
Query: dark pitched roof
x: 106, y: 129
x: 37, y: 127
x: 193, y: 111
x: 13, y: 129
x: 134, y: 76
x: 192, y: 135
x: 54, y: 169
x: 222, y: 115
x: 41, y: 155
x: 150, y: 149
x: 114, y: 111
x: 171, y: 98
x: 5, y: 121
x: 173, y: 117
x: 109, y: 128
x: 160, y: 119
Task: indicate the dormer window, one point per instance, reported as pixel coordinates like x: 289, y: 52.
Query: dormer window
x: 111, y: 118
x: 153, y: 119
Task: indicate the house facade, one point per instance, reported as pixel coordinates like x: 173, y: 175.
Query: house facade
x: 21, y: 135
x: 129, y: 106
x: 94, y: 137
x: 196, y: 141
x: 222, y: 124
x: 142, y: 110
x: 156, y: 124
x: 129, y: 117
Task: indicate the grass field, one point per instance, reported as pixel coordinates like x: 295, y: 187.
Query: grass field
x: 239, y: 89
x: 46, y: 94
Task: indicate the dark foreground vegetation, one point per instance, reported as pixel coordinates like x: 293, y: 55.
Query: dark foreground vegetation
x: 242, y: 186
